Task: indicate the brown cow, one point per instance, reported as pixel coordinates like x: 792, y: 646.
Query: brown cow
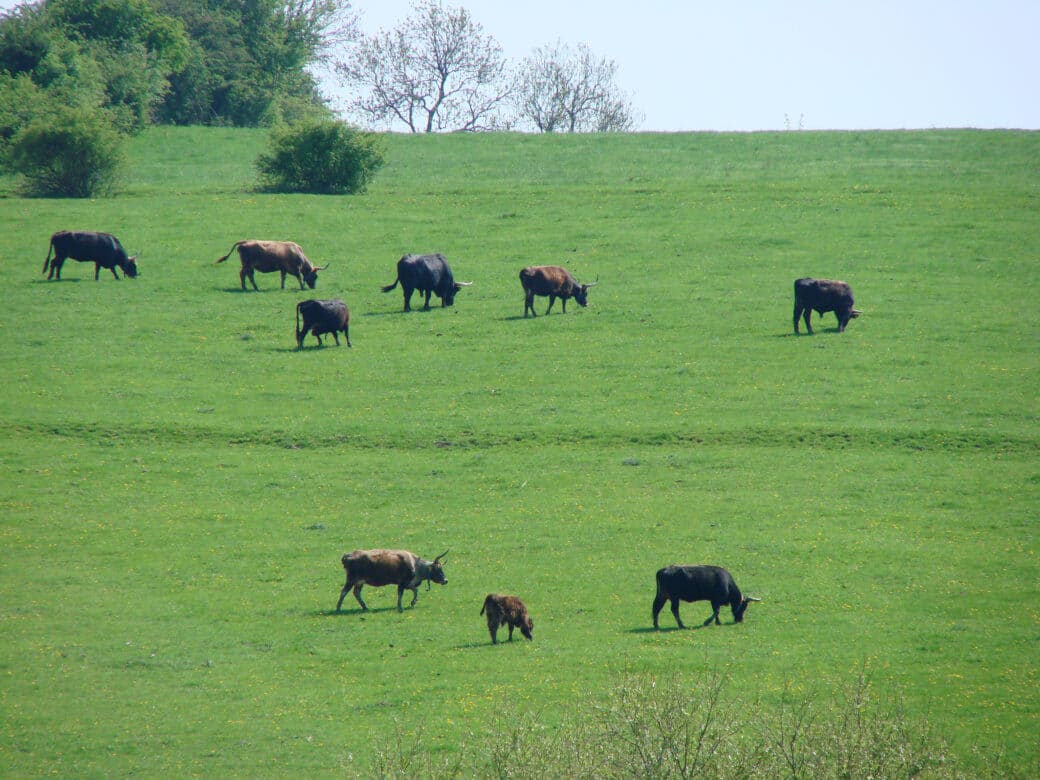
x: 823, y: 295
x: 404, y: 569
x: 554, y: 281
x: 506, y: 610
x: 269, y: 256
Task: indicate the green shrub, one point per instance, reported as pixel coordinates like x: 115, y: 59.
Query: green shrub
x: 321, y: 156
x: 70, y: 153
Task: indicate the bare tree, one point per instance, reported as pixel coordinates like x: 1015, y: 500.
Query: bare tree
x: 436, y: 71
x: 560, y: 90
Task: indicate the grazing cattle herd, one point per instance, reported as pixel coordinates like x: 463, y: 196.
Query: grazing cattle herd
x: 430, y: 274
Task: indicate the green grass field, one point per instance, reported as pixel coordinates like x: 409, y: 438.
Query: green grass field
x: 179, y: 482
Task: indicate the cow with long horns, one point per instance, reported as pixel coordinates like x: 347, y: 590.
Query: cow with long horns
x: 699, y: 583
x: 269, y: 256
x: 555, y: 282
x: 377, y: 568
x: 427, y: 274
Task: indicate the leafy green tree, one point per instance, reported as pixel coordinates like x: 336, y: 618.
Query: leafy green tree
x: 248, y: 60
x: 325, y: 157
x: 68, y: 153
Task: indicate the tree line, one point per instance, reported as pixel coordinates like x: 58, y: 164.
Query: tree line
x: 75, y: 75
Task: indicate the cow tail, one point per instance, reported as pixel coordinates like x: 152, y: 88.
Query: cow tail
x: 47, y: 262
x: 298, y: 341
x: 232, y: 249
x: 389, y: 287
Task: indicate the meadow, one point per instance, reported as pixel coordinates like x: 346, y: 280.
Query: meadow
x: 178, y: 481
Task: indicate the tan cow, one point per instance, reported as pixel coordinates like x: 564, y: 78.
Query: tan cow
x: 269, y: 256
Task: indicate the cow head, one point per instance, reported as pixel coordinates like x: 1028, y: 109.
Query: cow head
x: 581, y: 293
x: 449, y: 299
x: 310, y: 276
x: 130, y: 266
x: 437, y: 572
x: 738, y: 611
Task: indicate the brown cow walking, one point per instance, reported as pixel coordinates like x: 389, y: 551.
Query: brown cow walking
x: 404, y: 569
x: 506, y: 610
x: 269, y: 256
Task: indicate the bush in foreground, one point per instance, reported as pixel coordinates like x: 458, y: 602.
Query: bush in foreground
x: 647, y: 728
x: 324, y: 157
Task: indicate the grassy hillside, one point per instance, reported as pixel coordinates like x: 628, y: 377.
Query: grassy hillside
x: 179, y: 482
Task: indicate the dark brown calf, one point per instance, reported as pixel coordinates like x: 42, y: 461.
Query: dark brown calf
x: 506, y: 610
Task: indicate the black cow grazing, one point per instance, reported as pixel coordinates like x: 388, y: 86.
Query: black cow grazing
x: 554, y: 281
x: 823, y: 295
x: 699, y: 583
x: 506, y: 611
x: 101, y: 249
x: 390, y: 567
x: 322, y: 317
x: 427, y: 274
x: 269, y: 256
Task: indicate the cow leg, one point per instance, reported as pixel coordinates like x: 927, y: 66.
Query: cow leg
x: 808, y: 324
x: 659, y: 601
x: 113, y: 270
x: 335, y: 335
x: 510, y: 632
x: 415, y: 595
x: 346, y: 335
x: 343, y: 594
x: 552, y: 300
x: 357, y: 594
x: 493, y: 630
x: 563, y: 302
x: 283, y: 280
x: 426, y: 306
x: 529, y: 304
x: 407, y: 297
x: 675, y: 611
x: 714, y: 615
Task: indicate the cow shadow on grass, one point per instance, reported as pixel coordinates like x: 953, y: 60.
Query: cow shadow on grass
x: 356, y: 611
x: 671, y: 629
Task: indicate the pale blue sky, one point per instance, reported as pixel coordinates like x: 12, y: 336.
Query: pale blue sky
x: 772, y: 64
x: 825, y: 64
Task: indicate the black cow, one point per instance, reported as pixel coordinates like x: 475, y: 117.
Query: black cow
x: 823, y: 295
x: 427, y: 274
x: 322, y: 317
x: 554, y: 281
x: 101, y: 249
x: 699, y: 583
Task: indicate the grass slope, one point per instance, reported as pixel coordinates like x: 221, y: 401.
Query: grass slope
x: 178, y: 482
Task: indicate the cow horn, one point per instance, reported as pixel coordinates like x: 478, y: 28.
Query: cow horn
x: 594, y: 283
x: 464, y: 284
x: 437, y: 559
x: 323, y: 267
x: 751, y: 598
